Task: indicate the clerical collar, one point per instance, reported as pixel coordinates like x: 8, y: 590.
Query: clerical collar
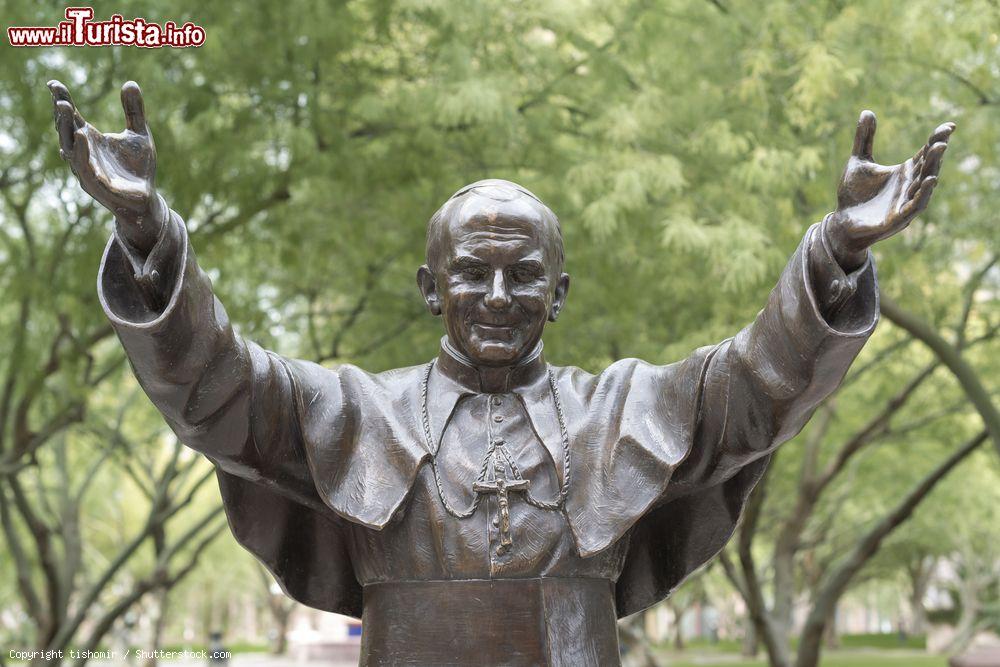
x: 489, y: 379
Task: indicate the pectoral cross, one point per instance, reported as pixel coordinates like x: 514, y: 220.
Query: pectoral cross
x: 501, y: 486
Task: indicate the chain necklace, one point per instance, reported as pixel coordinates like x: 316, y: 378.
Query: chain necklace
x: 494, y: 443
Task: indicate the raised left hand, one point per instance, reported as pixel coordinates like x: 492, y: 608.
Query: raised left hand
x: 875, y: 201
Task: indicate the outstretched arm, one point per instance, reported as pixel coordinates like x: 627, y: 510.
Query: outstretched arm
x: 223, y: 396
x: 761, y: 387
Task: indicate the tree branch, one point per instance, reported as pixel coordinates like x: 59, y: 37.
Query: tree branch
x: 969, y: 298
x: 876, y: 426
x: 22, y: 566
x: 42, y: 536
x: 159, y: 578
x: 160, y: 511
x: 729, y: 568
x: 951, y: 357
x: 837, y: 581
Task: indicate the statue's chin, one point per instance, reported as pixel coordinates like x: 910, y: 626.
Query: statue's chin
x: 492, y: 352
x: 496, y: 354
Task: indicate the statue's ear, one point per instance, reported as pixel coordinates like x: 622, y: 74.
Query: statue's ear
x: 428, y: 287
x: 559, y: 298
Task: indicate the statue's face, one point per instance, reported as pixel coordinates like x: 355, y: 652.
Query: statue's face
x: 496, y: 281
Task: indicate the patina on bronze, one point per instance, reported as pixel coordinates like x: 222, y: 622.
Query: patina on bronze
x: 485, y: 508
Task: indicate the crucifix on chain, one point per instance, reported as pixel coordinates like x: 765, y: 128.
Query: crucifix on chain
x: 501, y: 486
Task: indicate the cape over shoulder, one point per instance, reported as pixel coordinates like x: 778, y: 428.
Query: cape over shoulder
x: 362, y: 434
x: 362, y: 453
x: 630, y: 426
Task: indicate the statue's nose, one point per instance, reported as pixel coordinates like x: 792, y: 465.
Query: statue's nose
x: 498, y: 298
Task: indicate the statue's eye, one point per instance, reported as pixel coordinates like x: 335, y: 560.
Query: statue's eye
x: 473, y: 273
x: 522, y: 275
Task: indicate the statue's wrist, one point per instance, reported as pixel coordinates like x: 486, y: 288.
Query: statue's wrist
x: 142, y: 228
x: 848, y: 252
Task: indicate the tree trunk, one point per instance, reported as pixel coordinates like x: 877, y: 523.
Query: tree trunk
x: 280, y: 609
x: 918, y: 622
x: 784, y: 587
x: 972, y: 583
x: 775, y: 645
x: 279, y: 644
x: 832, y: 638
x: 161, y: 600
x: 678, y: 629
x: 919, y: 573
x: 636, y: 649
x: 750, y: 646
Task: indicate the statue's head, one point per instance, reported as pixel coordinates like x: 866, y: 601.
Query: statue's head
x: 494, y: 271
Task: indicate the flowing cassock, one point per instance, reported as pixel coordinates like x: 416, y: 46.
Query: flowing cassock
x: 376, y: 495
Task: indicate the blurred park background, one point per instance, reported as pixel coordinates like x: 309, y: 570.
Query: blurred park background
x: 686, y: 146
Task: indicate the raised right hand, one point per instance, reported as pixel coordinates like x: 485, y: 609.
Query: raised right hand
x: 117, y: 170
x: 875, y: 201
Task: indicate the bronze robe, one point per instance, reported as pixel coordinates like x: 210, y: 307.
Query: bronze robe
x: 326, y: 473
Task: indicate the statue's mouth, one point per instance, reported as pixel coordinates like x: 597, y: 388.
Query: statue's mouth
x: 495, y: 330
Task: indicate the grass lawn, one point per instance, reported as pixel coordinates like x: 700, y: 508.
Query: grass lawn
x: 860, y: 658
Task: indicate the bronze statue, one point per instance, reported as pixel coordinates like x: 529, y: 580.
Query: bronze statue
x: 486, y: 507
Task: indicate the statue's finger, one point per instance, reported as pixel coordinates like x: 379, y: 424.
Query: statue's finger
x: 911, y: 190
x: 932, y: 163
x: 864, y: 137
x: 60, y: 93
x: 135, y: 111
x: 64, y: 126
x: 919, y: 201
x: 917, y: 164
x: 81, y: 155
x: 941, y: 134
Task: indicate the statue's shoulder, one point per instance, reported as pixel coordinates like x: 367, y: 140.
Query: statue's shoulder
x: 353, y: 379
x: 327, y: 398
x: 575, y: 374
x: 627, y: 375
x: 586, y: 384
x: 396, y: 383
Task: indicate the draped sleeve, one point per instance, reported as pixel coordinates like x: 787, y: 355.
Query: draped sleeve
x: 300, y: 450
x: 669, y: 454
